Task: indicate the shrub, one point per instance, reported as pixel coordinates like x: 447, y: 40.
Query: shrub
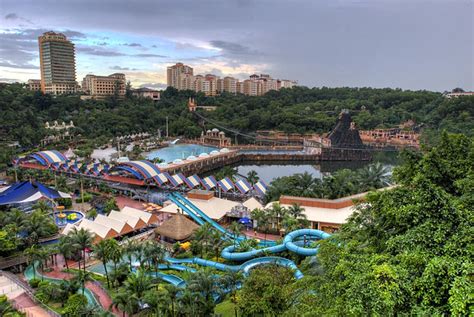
x: 34, y: 282
x: 74, y: 305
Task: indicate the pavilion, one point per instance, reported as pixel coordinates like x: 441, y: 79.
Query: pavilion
x: 177, y: 228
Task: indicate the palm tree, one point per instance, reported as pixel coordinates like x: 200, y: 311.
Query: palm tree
x: 101, y: 252
x: 14, y: 216
x: 231, y: 281
x: 157, y: 302
x: 33, y: 255
x: 296, y: 211
x: 154, y: 254
x: 121, y: 301
x: 252, y: 177
x: 235, y: 227
x: 66, y: 248
x: 137, y: 284
x: 173, y: 292
x: 192, y: 303
x: 277, y: 212
x: 37, y: 225
x: 6, y: 308
x: 115, y: 251
x: 82, y: 239
x: 305, y: 183
x: 130, y: 247
x: 42, y: 206
x: 373, y: 176
x: 203, y: 282
x: 82, y: 277
x: 202, y: 235
x: 216, y: 242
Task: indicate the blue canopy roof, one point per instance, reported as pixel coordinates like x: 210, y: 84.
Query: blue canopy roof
x: 24, y: 192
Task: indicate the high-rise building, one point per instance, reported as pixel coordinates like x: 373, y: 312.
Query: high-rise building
x: 177, y: 75
x: 102, y: 86
x: 181, y: 77
x: 57, y: 64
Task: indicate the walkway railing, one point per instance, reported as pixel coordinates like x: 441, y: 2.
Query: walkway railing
x: 29, y: 292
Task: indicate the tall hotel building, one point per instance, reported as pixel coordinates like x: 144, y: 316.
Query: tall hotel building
x: 57, y: 64
x: 179, y: 76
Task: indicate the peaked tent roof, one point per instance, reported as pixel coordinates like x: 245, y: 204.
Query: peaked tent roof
x: 177, y: 227
x: 134, y: 221
x: 120, y: 226
x: 147, y: 217
x: 25, y: 192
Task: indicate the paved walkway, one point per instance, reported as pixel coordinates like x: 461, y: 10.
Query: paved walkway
x: 20, y: 300
x: 104, y: 299
x: 259, y: 235
x: 123, y: 201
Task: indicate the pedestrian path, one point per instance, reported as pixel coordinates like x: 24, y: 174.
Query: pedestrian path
x: 20, y: 299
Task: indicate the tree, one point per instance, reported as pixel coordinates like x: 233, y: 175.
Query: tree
x: 231, y: 281
x: 406, y: 250
x: 202, y: 235
x: 82, y: 240
x: 157, y: 302
x: 66, y: 248
x: 123, y: 301
x: 138, y: 283
x: 203, y: 282
x: 75, y: 305
x: 102, y: 252
x: 235, y: 228
x: 38, y: 225
x: 129, y: 248
x: 267, y: 291
x: 172, y: 292
x: 82, y: 277
x: 6, y: 308
x: 252, y: 177
x: 373, y: 176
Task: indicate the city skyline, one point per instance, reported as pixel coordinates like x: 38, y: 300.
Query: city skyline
x: 344, y: 43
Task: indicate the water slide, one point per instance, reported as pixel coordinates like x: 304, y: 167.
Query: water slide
x: 199, y: 216
x: 30, y: 274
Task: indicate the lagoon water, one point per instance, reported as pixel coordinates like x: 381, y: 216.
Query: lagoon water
x: 179, y: 151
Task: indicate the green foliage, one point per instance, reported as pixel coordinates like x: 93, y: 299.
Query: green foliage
x: 268, y: 291
x: 9, y: 241
x: 409, y: 249
x: 6, y: 308
x: 34, y: 282
x: 75, y: 305
x: 341, y: 183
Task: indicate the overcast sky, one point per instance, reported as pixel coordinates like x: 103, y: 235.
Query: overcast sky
x: 410, y: 44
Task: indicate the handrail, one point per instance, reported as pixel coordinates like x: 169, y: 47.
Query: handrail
x: 29, y: 292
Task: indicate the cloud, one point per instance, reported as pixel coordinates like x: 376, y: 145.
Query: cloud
x: 98, y: 51
x: 154, y: 85
x: 13, y: 65
x: 11, y: 16
x: 232, y: 48
x: 116, y: 67
x: 132, y: 44
x: 149, y: 55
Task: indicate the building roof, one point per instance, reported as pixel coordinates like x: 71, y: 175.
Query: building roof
x: 329, y: 215
x: 177, y: 227
x: 133, y: 221
x: 147, y: 217
x: 252, y: 204
x: 120, y: 226
x: 98, y: 229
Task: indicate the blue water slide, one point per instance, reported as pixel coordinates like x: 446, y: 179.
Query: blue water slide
x: 178, y: 203
x: 195, y: 210
x: 290, y: 243
x: 201, y: 214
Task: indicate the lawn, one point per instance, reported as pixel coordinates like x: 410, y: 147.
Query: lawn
x: 225, y: 309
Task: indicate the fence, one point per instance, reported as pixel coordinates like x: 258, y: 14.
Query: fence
x: 30, y: 293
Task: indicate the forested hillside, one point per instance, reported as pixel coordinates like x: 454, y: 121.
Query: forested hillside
x: 292, y: 110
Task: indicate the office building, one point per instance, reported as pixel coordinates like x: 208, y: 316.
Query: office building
x: 57, y: 64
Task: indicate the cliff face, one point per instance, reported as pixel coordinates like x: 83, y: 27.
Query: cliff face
x: 345, y: 134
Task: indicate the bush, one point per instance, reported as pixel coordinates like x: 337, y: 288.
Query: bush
x: 87, y: 198
x: 34, y: 282
x: 74, y: 305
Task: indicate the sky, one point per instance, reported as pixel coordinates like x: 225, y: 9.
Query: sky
x: 408, y: 44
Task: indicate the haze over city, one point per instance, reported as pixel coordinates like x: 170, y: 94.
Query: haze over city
x: 406, y: 44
